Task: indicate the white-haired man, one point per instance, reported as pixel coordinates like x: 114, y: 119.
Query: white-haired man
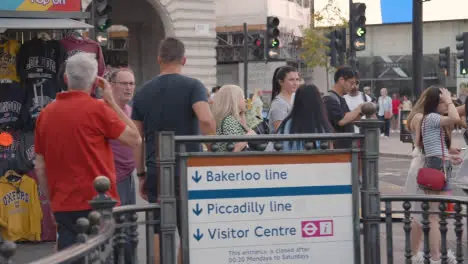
x: 71, y: 143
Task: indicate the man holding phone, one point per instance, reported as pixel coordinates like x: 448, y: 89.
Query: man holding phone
x: 71, y: 143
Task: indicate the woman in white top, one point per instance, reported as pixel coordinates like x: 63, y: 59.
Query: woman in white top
x: 285, y: 83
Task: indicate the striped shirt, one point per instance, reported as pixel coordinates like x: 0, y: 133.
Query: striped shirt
x: 431, y: 136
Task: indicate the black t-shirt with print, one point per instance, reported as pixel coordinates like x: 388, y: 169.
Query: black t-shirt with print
x: 165, y: 104
x: 337, y: 108
x: 13, y: 111
x: 38, y: 64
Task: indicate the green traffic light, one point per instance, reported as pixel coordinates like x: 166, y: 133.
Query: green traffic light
x: 464, y: 72
x: 275, y: 43
x: 360, y: 32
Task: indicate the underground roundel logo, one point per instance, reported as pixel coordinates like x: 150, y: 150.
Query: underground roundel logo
x: 320, y: 228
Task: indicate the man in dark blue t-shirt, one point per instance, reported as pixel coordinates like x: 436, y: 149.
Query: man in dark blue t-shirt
x: 168, y: 102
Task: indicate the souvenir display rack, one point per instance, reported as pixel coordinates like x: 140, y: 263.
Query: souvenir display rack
x: 34, y: 46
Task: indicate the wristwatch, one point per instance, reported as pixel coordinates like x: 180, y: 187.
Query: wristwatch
x: 141, y: 174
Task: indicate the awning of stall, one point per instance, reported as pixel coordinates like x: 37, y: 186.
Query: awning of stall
x: 41, y: 23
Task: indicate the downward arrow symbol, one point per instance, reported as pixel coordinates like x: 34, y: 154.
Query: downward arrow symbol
x: 196, y: 178
x: 198, y: 236
x: 197, y: 210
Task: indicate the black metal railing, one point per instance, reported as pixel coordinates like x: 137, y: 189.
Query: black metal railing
x: 108, y: 235
x: 418, y: 213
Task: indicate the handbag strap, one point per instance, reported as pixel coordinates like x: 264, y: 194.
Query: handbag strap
x: 443, y: 150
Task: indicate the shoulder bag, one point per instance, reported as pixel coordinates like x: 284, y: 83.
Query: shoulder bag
x: 429, y: 178
x: 387, y: 114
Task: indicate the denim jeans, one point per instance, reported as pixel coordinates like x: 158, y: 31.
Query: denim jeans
x: 386, y: 126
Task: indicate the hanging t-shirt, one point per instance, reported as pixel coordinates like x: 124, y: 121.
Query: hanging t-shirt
x: 13, y: 112
x: 74, y: 45
x: 8, y: 52
x: 38, y: 63
x: 20, y: 213
x: 19, y: 156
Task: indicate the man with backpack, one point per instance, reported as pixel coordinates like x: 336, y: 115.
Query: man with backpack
x: 339, y: 114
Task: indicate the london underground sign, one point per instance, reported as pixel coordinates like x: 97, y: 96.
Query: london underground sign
x: 291, y: 209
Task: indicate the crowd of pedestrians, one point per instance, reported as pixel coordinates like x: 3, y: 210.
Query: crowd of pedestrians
x: 79, y: 137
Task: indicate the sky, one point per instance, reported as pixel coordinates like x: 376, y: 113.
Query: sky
x: 401, y: 11
x: 396, y: 11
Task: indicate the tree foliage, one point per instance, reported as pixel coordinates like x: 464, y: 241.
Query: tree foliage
x: 314, y: 42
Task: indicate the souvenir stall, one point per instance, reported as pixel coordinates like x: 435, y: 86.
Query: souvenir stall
x: 36, y: 38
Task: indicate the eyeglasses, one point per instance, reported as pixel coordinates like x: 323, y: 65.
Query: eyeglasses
x: 125, y: 83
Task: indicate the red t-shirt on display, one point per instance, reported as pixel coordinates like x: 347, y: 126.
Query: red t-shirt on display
x: 72, y: 135
x: 396, y: 106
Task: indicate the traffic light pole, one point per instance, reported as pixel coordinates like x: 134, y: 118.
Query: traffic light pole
x: 246, y: 60
x: 352, y: 51
x: 92, y: 31
x: 417, y: 48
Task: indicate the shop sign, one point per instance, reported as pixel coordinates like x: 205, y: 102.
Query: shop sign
x: 41, y: 5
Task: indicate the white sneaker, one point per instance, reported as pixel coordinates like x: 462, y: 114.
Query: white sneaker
x: 451, y: 257
x: 382, y: 135
x: 418, y: 258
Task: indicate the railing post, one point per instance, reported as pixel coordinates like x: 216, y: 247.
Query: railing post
x: 370, y: 195
x: 101, y: 202
x: 165, y: 162
x: 82, y: 225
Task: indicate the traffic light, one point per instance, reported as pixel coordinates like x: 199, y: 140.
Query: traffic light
x: 444, y: 60
x: 340, y: 42
x: 331, y: 45
x: 462, y: 48
x: 358, y: 22
x: 101, y: 17
x: 258, y: 49
x: 336, y: 46
x: 272, y: 42
x: 463, y: 70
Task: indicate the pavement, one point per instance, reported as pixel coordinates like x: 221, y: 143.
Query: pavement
x: 393, y: 147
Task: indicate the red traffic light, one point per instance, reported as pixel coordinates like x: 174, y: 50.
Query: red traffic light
x: 258, y: 42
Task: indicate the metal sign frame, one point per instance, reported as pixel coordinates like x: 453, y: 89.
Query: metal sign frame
x: 171, y: 153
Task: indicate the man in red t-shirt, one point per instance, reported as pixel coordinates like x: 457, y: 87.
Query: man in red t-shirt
x: 396, y: 112
x: 71, y: 143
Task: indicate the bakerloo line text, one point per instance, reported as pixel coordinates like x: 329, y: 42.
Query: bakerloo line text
x: 227, y: 176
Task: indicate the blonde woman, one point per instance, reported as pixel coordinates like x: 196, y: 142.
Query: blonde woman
x: 229, y: 109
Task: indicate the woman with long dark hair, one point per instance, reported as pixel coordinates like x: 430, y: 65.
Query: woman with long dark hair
x: 308, y: 115
x: 285, y: 82
x: 431, y: 122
